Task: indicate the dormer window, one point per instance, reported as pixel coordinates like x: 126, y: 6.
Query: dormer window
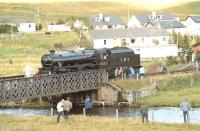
x: 159, y: 16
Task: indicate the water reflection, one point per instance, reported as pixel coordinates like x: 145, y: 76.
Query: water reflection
x: 164, y: 114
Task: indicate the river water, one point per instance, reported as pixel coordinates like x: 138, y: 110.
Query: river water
x: 160, y: 114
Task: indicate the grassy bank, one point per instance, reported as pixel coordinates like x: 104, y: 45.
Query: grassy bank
x: 80, y: 123
x: 172, y: 89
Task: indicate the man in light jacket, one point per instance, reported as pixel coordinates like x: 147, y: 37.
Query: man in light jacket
x: 185, y: 107
x: 67, y: 107
x: 60, y: 110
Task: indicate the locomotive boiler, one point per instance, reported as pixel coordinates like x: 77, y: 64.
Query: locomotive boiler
x: 89, y: 59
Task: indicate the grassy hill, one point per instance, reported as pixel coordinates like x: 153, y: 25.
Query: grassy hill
x: 184, y: 10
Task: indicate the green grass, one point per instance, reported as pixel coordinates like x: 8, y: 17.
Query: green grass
x: 172, y: 89
x: 36, y: 43
x: 80, y: 123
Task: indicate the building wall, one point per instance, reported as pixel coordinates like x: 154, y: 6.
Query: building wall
x: 156, y: 51
x: 27, y: 27
x: 109, y: 43
x: 145, y: 46
x: 192, y: 27
x: 62, y: 27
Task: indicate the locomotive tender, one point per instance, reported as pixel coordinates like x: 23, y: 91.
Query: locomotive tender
x: 89, y: 59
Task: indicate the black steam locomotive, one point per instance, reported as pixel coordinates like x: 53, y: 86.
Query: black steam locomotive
x: 89, y: 59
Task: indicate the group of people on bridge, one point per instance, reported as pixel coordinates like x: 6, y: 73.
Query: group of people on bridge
x: 128, y: 72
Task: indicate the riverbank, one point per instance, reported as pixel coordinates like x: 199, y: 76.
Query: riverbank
x: 77, y: 123
x: 172, y: 89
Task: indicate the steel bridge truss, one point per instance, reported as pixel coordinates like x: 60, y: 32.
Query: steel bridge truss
x: 32, y: 87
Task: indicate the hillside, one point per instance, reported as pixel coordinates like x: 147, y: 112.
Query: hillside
x: 184, y: 10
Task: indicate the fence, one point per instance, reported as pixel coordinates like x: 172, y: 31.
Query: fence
x: 134, y: 95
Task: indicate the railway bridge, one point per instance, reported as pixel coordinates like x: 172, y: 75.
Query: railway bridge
x: 51, y: 85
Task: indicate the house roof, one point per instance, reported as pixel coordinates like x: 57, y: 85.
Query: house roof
x: 195, y: 18
x: 171, y: 24
x: 127, y: 33
x: 145, y: 18
x: 114, y: 20
x: 15, y: 19
x: 196, y: 44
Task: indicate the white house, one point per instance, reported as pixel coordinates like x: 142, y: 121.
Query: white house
x: 148, y: 42
x: 106, y: 22
x: 141, y: 20
x: 192, y: 24
x: 23, y: 24
x: 59, y: 28
x: 80, y: 25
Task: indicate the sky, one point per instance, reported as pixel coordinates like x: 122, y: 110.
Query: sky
x: 144, y: 3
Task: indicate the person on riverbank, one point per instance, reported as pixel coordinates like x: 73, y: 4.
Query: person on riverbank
x: 144, y: 112
x: 88, y: 106
x: 60, y: 110
x: 185, y: 107
x: 67, y: 107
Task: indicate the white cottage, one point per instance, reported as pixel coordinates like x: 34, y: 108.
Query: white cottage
x: 148, y: 42
x: 141, y: 20
x: 106, y: 22
x: 192, y: 24
x: 23, y: 24
x: 59, y: 28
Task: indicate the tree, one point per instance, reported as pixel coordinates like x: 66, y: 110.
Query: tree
x: 8, y: 28
x: 60, y: 21
x: 39, y: 26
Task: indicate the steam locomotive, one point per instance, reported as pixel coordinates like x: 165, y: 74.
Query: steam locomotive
x: 89, y: 59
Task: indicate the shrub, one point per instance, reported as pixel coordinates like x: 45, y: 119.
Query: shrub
x: 8, y: 28
x: 172, y: 60
x: 39, y: 26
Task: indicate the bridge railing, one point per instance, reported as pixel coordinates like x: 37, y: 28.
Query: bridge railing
x: 24, y: 88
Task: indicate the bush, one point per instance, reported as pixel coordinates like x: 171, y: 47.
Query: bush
x: 198, y: 56
x: 39, y: 26
x: 8, y: 28
x: 172, y: 60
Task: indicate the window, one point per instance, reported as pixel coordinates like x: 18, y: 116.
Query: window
x: 142, y: 40
x: 164, y: 38
x: 104, y: 42
x: 132, y: 40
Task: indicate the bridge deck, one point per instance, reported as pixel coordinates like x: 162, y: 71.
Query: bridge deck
x: 24, y: 88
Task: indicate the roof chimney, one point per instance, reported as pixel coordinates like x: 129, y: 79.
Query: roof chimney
x: 154, y: 14
x: 100, y: 16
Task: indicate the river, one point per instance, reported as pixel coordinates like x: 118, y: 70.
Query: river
x: 160, y: 114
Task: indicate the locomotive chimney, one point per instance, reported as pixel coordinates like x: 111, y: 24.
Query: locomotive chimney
x: 52, y: 52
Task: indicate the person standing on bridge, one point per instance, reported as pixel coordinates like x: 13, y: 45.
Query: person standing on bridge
x: 88, y: 106
x: 67, y: 107
x: 60, y: 109
x: 185, y: 107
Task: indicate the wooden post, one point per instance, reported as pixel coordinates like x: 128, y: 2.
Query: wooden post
x: 174, y: 83
x: 192, y: 81
x: 152, y: 116
x: 151, y: 80
x: 137, y: 76
x: 117, y: 114
x: 20, y: 111
x: 84, y: 112
x: 51, y: 111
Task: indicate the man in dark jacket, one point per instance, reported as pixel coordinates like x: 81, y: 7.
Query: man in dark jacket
x: 88, y: 106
